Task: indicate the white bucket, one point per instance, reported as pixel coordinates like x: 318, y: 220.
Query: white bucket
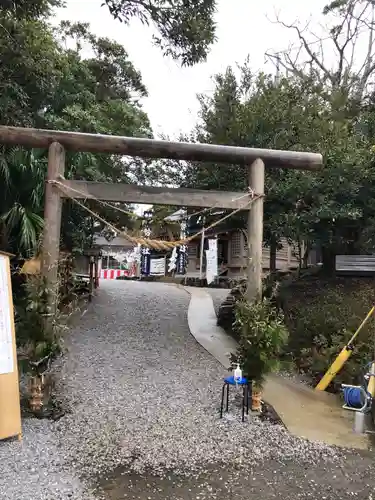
x: 359, y: 422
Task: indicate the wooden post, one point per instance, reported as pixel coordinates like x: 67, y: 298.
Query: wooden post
x: 289, y: 255
x: 51, y: 233
x: 255, y: 232
x: 201, y: 255
x: 273, y: 255
x: 91, y: 279
x: 96, y: 273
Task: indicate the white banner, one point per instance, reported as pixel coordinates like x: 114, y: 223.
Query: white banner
x: 212, y: 245
x: 211, y: 261
x: 157, y: 266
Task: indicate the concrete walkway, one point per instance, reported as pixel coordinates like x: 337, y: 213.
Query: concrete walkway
x: 202, y: 321
x: 306, y: 413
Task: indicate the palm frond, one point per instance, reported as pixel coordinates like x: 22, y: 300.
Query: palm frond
x: 26, y: 224
x: 4, y: 170
x: 31, y: 225
x: 11, y: 217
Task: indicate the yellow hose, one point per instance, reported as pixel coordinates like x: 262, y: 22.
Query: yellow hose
x: 334, y: 369
x: 371, y: 382
x: 342, y: 358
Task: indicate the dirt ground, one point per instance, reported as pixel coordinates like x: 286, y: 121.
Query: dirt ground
x: 268, y: 481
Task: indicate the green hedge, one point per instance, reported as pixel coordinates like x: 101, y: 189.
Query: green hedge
x: 321, y: 315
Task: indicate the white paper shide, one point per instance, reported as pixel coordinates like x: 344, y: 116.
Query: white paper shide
x: 6, y: 344
x: 157, y: 266
x: 172, y: 264
x: 211, y: 261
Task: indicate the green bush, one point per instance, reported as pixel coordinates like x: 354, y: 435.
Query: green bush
x: 321, y: 315
x: 262, y: 336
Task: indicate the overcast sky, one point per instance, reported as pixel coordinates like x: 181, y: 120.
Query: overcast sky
x: 244, y: 28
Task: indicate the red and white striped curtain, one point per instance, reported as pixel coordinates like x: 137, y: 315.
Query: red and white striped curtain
x: 112, y: 274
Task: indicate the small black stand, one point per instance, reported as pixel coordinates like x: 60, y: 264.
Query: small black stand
x: 246, y: 395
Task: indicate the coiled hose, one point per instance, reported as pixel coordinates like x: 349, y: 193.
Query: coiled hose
x: 354, y: 397
x: 358, y: 397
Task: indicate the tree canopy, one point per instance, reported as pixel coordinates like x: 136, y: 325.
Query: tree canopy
x: 332, y: 208
x: 44, y: 84
x: 47, y: 82
x: 186, y: 28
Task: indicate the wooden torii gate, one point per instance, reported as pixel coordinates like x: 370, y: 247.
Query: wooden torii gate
x: 57, y: 142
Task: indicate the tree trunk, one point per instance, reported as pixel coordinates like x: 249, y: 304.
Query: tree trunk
x: 328, y: 260
x: 299, y: 247
x: 306, y: 254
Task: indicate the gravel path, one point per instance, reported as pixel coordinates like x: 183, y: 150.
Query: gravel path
x: 144, y: 398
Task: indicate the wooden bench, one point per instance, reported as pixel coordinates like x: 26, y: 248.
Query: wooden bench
x: 355, y: 265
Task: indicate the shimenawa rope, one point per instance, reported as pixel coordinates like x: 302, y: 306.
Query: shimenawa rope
x: 132, y: 214
x: 147, y: 242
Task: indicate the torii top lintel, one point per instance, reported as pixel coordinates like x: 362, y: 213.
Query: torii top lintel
x: 151, y: 148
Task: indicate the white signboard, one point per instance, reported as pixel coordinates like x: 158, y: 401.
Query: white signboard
x: 212, y: 245
x: 157, y: 266
x: 211, y: 261
x: 6, y: 345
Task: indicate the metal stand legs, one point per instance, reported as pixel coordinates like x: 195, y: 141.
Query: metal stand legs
x: 246, y: 394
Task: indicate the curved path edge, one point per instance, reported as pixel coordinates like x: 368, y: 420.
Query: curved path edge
x: 203, y: 326
x: 312, y: 415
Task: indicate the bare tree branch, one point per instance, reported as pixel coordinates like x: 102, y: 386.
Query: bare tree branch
x: 348, y: 22
x: 369, y: 65
x: 307, y: 48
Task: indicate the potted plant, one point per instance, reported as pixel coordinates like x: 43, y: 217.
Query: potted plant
x: 262, y: 334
